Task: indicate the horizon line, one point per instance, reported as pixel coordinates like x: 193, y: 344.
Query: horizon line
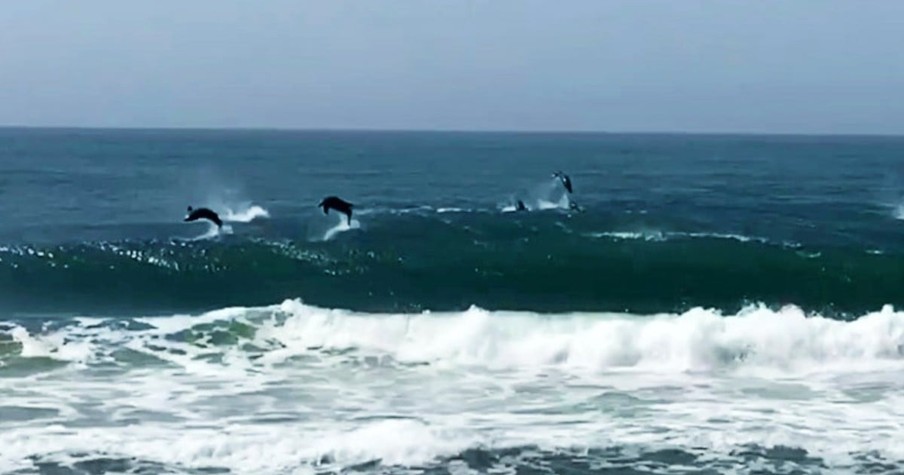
x: 448, y: 130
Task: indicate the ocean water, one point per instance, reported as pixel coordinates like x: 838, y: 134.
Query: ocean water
x: 717, y: 304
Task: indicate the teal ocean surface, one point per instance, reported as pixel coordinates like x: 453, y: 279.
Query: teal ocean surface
x: 697, y: 304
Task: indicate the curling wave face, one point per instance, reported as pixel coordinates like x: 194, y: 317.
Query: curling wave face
x: 446, y: 261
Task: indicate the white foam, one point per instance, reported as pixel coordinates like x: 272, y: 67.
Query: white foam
x: 54, y: 346
x: 659, y: 236
x: 328, y: 389
x: 176, y: 323
x: 394, y: 442
x: 646, y: 235
x: 241, y: 448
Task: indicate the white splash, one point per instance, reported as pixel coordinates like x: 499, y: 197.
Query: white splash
x: 213, y: 231
x: 245, y: 213
x: 549, y: 194
x: 899, y: 211
x: 342, y: 227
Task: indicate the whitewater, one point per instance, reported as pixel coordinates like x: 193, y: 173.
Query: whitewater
x: 293, y: 388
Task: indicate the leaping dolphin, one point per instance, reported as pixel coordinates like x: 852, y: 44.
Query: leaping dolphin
x: 338, y: 204
x: 565, y: 180
x: 203, y: 213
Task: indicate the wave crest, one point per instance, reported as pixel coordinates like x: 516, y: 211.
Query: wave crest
x: 697, y: 340
x: 700, y: 340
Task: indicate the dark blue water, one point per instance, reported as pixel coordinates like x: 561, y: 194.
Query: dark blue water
x: 668, y: 222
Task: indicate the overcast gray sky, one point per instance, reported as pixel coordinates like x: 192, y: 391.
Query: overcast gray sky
x: 810, y: 66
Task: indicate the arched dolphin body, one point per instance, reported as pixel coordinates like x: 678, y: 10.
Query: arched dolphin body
x: 338, y: 204
x: 203, y: 213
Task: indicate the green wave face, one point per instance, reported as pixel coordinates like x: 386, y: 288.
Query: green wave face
x: 413, y: 263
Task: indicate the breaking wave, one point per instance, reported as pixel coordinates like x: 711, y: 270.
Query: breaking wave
x: 696, y: 340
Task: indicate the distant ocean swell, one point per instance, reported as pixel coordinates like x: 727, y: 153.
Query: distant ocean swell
x: 434, y: 265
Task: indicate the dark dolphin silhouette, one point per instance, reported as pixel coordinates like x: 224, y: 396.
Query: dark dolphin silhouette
x: 520, y: 206
x: 203, y: 213
x: 565, y: 180
x: 338, y: 204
